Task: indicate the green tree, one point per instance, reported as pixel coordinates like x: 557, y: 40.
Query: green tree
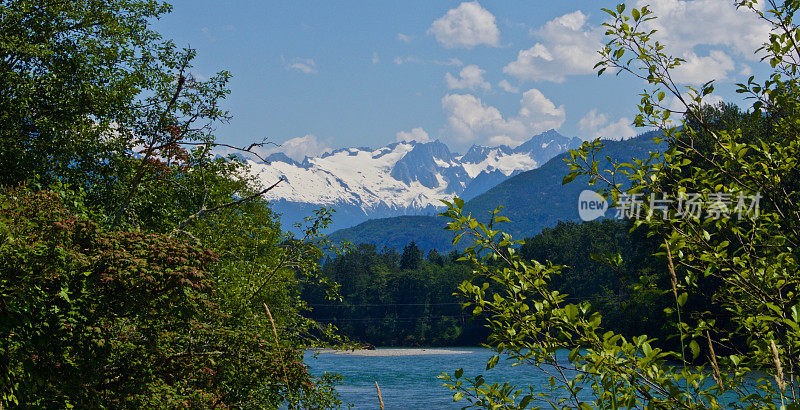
x: 93, y: 317
x: 743, y: 261
x: 94, y: 98
x: 102, y: 121
x: 412, y: 256
x: 435, y: 257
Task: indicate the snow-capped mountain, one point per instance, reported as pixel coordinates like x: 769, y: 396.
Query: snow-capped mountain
x: 403, y: 178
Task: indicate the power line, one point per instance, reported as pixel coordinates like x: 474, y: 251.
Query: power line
x: 384, y: 304
x: 399, y: 319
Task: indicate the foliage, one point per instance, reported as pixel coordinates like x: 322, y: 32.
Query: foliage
x: 627, y: 295
x: 124, y: 319
x: 94, y: 98
x: 384, y: 304
x: 411, y: 257
x: 742, y: 348
x: 139, y: 269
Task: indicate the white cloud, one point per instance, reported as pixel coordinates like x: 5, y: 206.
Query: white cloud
x: 404, y: 37
x: 709, y: 34
x: 198, y: 76
x: 568, y: 47
x: 470, y: 78
x: 466, y: 26
x: 698, y: 70
x: 594, y: 125
x: 745, y: 70
x: 417, y: 134
x: 505, y: 85
x: 375, y: 58
x: 404, y: 60
x: 469, y: 120
x: 718, y: 26
x: 676, y: 105
x: 539, y: 113
x: 449, y: 61
x: 295, y: 148
x: 591, y: 122
x: 301, y: 147
x: 682, y: 25
x: 303, y: 65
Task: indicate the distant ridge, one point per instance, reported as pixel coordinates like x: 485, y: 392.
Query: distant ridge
x: 402, y: 178
x: 533, y: 200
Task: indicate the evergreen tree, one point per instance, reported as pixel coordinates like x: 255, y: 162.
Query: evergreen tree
x: 434, y: 257
x: 412, y: 256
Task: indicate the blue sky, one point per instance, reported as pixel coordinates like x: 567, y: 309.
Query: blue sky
x: 320, y: 75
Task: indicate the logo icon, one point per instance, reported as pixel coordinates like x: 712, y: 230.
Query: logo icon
x: 591, y: 205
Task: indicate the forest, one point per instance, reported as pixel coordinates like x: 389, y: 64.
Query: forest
x: 392, y: 298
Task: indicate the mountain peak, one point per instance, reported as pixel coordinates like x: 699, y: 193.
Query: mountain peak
x: 547, y: 144
x: 405, y: 177
x: 280, y: 157
x: 424, y: 164
x: 478, y: 153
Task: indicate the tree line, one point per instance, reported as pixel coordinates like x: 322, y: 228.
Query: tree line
x: 391, y: 298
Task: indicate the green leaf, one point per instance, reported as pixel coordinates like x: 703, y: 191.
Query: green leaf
x: 682, y: 298
x: 492, y: 362
x: 459, y: 373
x: 646, y: 349
x: 571, y: 311
x: 695, y: 349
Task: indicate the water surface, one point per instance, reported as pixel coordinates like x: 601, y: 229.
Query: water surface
x: 408, y: 377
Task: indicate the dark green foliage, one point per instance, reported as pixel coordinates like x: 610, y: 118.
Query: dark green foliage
x: 136, y: 269
x: 121, y: 319
x: 434, y: 257
x: 69, y: 69
x: 372, y: 283
x: 620, y: 293
x: 411, y: 258
x: 385, y: 304
x: 733, y: 273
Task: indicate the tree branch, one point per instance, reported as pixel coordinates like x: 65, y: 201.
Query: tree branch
x: 203, y: 210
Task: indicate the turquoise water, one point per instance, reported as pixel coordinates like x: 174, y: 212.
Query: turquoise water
x: 409, y: 382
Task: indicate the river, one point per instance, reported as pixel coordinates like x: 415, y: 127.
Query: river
x: 407, y: 377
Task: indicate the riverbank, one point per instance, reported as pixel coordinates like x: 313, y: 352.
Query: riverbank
x: 392, y: 352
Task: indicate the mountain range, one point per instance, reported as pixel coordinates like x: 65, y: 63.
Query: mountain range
x: 400, y: 179
x: 532, y: 200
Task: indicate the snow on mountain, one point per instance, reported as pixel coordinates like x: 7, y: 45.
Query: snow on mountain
x: 400, y: 178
